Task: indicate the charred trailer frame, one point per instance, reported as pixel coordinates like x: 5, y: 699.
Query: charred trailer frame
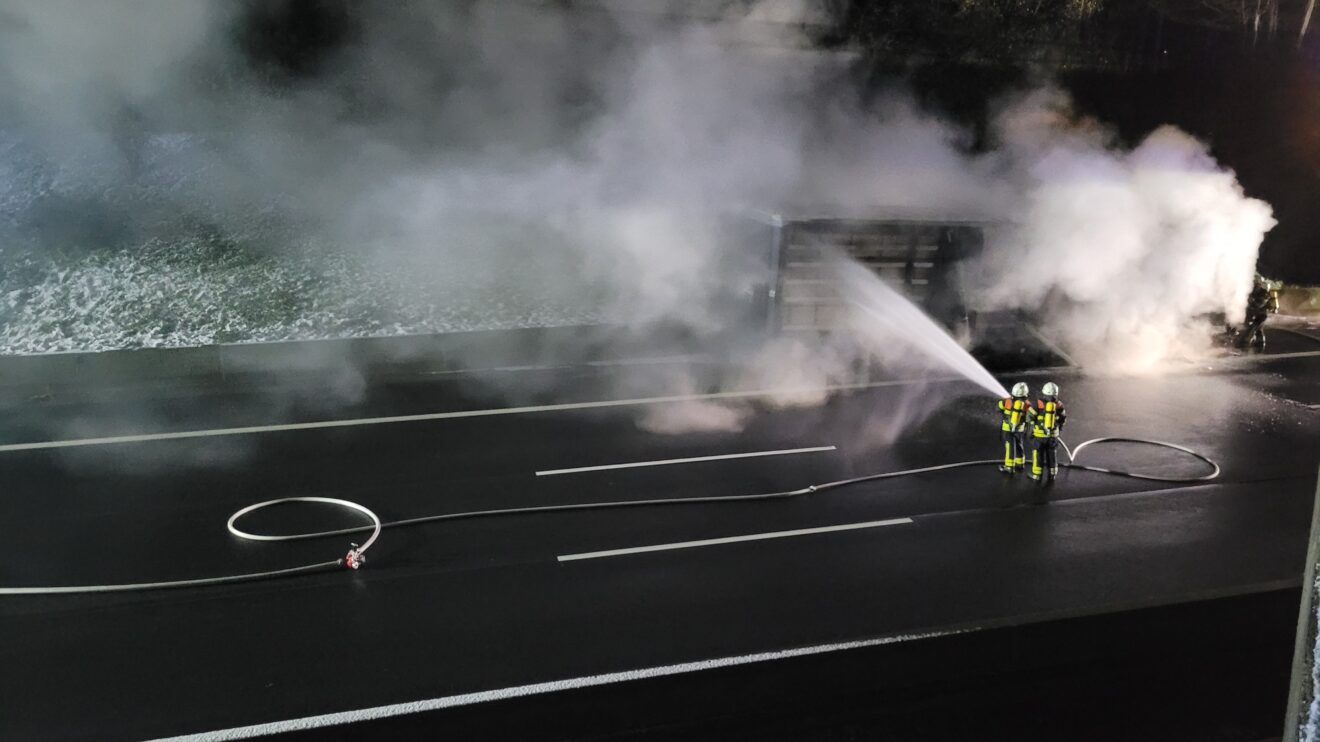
x: 922, y: 258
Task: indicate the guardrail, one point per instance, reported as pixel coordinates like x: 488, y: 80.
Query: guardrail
x: 1302, y: 692
x: 1304, y: 301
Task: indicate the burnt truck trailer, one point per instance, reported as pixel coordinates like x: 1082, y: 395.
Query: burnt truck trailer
x: 923, y: 258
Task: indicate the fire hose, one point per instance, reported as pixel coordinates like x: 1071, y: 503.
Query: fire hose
x: 356, y: 555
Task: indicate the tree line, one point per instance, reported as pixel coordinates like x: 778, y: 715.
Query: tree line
x: 1081, y: 32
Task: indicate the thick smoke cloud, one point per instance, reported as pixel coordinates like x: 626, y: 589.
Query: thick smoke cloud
x: 591, y: 150
x: 1126, y: 250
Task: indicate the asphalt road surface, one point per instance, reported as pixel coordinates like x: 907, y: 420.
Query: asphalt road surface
x: 467, y: 612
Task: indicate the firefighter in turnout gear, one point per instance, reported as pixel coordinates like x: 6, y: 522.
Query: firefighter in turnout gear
x: 1013, y: 431
x: 1046, y: 419
x: 1261, y: 303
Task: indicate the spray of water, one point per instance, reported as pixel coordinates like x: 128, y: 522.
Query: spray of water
x: 885, y: 320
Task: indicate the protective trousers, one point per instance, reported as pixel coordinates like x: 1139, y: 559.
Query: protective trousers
x: 1015, y: 454
x: 1045, y: 456
x: 1255, y: 332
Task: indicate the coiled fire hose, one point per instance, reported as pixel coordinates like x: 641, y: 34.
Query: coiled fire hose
x: 356, y: 555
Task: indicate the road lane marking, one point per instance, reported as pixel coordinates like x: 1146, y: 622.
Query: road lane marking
x: 733, y: 539
x: 553, y: 686
x: 689, y: 460
x: 323, y: 424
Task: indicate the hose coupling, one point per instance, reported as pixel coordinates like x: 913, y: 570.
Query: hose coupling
x: 354, y: 559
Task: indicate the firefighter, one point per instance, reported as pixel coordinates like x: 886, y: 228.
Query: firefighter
x: 1260, y: 303
x: 1046, y: 419
x: 1013, y: 431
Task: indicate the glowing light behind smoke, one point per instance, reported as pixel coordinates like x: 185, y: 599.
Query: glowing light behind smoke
x: 1123, y: 250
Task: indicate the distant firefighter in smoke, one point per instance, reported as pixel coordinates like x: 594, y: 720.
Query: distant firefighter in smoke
x: 1013, y: 430
x: 1262, y: 301
x: 1046, y: 419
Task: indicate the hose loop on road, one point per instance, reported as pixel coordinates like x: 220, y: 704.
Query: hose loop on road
x: 377, y: 525
x: 1074, y: 453
x: 355, y: 556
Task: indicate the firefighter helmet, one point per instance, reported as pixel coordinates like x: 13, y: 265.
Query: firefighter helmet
x: 1020, y: 389
x: 1050, y: 389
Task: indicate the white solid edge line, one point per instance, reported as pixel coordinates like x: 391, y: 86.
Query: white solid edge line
x: 320, y: 424
x: 732, y: 539
x: 1265, y: 357
x: 553, y: 686
x: 689, y: 460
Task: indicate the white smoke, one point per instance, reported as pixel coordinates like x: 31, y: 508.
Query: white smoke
x: 1123, y: 251
x: 592, y: 148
